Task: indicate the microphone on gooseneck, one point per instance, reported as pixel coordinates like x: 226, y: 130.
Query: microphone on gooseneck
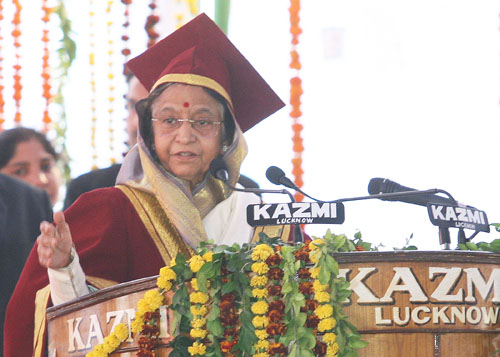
x: 379, y: 185
x: 219, y: 170
x: 277, y: 176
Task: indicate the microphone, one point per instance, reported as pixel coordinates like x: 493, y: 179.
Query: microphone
x: 218, y: 169
x: 379, y: 185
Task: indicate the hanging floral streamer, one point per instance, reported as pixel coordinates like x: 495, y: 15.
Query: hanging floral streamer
x: 16, y: 33
x: 2, y: 102
x: 295, y: 94
x: 111, y: 86
x: 151, y: 21
x: 125, y: 37
x: 93, y: 107
x: 45, y: 66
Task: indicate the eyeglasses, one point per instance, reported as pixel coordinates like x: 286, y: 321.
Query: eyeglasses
x: 202, y: 126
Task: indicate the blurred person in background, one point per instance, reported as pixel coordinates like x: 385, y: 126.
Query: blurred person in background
x: 22, y: 208
x: 27, y: 155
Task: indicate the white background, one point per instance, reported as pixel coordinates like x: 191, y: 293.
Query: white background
x: 407, y: 90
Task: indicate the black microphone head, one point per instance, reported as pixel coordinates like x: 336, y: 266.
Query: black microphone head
x: 218, y: 169
x: 375, y: 185
x: 275, y: 174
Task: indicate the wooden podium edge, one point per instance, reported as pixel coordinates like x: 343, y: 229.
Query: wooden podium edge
x: 126, y: 288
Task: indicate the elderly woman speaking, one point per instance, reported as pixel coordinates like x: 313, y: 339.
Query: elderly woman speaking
x: 203, y: 94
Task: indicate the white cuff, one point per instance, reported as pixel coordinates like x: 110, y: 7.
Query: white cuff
x: 67, y: 283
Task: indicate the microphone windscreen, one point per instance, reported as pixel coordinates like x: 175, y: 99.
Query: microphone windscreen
x: 218, y: 164
x: 375, y: 186
x: 275, y: 174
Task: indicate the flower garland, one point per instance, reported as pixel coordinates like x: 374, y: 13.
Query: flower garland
x: 93, y: 93
x: 45, y: 66
x: 125, y: 37
x: 264, y: 300
x: 16, y: 33
x: 111, y: 86
x: 198, y: 309
x: 260, y: 307
x: 2, y: 101
x: 295, y: 101
x: 151, y: 21
x: 111, y: 342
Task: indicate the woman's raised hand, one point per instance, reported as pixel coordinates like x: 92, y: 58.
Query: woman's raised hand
x: 54, y: 243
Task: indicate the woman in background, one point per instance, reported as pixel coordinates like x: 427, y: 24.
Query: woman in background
x: 27, y: 155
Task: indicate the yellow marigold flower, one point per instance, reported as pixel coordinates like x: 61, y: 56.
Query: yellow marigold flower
x: 332, y: 350
x: 315, y: 244
x: 261, y: 252
x: 261, y: 334
x: 198, y: 297
x: 322, y: 297
x: 318, y: 287
x: 197, y: 349
x: 258, y: 280
x: 327, y: 324
x: 259, y: 293
x: 172, y: 262
x: 142, y: 307
x: 168, y: 273
x: 260, y: 268
x: 314, y: 272
x: 121, y: 331
x: 324, y: 311
x: 329, y: 338
x: 163, y: 283
x: 260, y: 307
x: 194, y: 284
x: 198, y: 333
x: 260, y: 321
x: 195, y: 263
x: 262, y: 344
x: 154, y: 299
x: 198, y: 311
x: 197, y: 323
x: 208, y: 256
x: 136, y: 325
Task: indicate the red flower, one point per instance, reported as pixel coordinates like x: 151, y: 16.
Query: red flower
x: 302, y: 254
x: 228, y: 297
x: 277, y: 305
x: 275, y: 315
x: 274, y: 259
x: 230, y: 332
x: 306, y: 288
x: 275, y: 274
x: 320, y: 348
x: 277, y: 348
x: 227, y: 346
x: 310, y: 305
x: 274, y: 290
x: 304, y: 273
x: 276, y: 329
x: 312, y: 321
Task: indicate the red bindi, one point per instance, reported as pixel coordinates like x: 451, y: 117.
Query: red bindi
x: 186, y: 104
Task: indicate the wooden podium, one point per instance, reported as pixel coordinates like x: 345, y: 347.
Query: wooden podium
x: 408, y: 303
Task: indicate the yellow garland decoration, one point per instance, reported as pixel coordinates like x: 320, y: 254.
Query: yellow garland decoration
x: 111, y: 86
x: 198, y: 308
x: 93, y: 94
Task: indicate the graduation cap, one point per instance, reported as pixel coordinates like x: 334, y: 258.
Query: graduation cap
x: 199, y: 53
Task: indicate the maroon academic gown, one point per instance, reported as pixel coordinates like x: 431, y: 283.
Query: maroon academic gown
x: 112, y: 243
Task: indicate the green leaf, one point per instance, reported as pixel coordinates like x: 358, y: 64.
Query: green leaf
x: 229, y: 287
x: 332, y: 265
x: 471, y: 246
x: 358, y: 344
x: 215, y: 327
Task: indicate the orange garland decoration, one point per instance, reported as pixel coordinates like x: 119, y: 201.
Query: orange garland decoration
x: 295, y: 94
x: 125, y: 37
x: 151, y: 21
x: 16, y: 33
x: 45, y: 66
x: 2, y: 101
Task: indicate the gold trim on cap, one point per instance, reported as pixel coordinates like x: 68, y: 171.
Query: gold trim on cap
x: 194, y: 79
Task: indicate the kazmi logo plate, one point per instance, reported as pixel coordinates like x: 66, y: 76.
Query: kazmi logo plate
x: 295, y: 213
x: 458, y: 217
